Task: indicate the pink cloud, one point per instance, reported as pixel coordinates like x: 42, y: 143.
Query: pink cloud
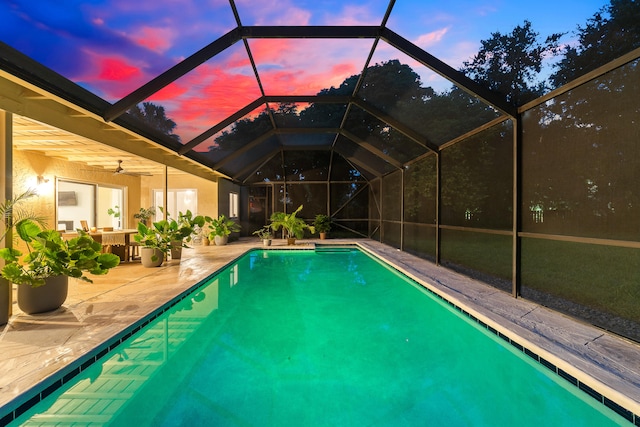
x: 117, y: 70
x: 204, y: 97
x: 271, y: 51
x: 156, y: 39
x: 169, y: 92
x: 425, y: 41
x: 356, y: 15
x: 305, y: 66
x: 114, y: 77
x: 347, y: 69
x: 273, y: 12
x: 294, y: 16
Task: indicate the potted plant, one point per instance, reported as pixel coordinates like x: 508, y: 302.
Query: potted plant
x: 293, y: 225
x: 220, y: 228
x: 144, y: 215
x: 42, y: 274
x: 12, y: 211
x: 265, y: 235
x: 182, y: 230
x: 322, y: 224
x: 154, y: 241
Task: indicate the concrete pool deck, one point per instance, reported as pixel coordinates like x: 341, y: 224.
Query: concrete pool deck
x: 33, y: 348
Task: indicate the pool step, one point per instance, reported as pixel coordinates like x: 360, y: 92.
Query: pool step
x: 335, y: 248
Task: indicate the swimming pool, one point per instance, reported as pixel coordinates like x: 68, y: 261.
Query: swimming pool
x: 297, y: 337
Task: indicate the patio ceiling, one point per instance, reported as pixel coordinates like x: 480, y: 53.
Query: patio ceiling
x: 32, y: 136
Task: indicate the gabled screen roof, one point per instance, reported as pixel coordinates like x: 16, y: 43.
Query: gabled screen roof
x: 371, y: 80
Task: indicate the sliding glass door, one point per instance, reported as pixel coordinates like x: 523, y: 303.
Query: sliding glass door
x: 99, y: 206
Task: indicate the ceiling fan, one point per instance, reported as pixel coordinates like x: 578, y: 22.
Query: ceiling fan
x: 120, y: 170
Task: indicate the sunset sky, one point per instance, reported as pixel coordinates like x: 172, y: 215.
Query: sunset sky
x: 112, y: 47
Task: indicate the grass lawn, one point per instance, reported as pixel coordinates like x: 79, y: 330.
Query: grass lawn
x: 603, y: 277
x: 602, y: 283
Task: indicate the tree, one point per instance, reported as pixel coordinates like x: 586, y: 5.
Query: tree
x: 612, y: 32
x: 582, y: 160
x: 510, y: 63
x: 154, y: 116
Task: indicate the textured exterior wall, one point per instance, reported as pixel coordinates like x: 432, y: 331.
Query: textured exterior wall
x: 28, y: 165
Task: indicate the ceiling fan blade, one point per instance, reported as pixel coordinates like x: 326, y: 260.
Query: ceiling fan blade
x: 125, y: 172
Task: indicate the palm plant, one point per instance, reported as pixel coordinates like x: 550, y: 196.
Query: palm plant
x: 12, y: 212
x: 293, y: 225
x: 322, y: 223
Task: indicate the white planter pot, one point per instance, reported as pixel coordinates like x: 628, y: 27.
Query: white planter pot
x: 221, y: 240
x: 151, y: 257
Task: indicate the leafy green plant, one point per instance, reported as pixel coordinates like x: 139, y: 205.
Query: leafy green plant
x: 322, y: 223
x: 144, y: 215
x: 293, y: 225
x: 190, y: 223
x: 221, y: 226
x: 49, y: 255
x: 114, y: 212
x: 158, y: 235
x: 264, y: 233
x: 183, y: 229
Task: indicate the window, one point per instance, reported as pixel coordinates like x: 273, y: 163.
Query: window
x: 178, y: 200
x: 233, y: 205
x: 80, y: 201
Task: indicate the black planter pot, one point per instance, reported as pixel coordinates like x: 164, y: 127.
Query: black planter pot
x: 5, y: 301
x: 44, y: 298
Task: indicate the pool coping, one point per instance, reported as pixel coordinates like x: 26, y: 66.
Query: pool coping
x: 599, y: 363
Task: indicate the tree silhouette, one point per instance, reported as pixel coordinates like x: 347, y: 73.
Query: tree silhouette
x: 154, y: 116
x: 510, y: 63
x: 612, y: 32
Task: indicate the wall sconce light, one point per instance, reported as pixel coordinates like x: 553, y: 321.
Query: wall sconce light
x: 42, y: 180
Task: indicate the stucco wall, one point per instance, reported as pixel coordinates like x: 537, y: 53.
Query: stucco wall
x: 28, y: 165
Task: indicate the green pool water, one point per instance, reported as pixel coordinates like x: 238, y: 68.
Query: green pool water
x: 299, y: 338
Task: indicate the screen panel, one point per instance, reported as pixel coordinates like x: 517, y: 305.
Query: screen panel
x: 477, y: 180
x: 581, y: 160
